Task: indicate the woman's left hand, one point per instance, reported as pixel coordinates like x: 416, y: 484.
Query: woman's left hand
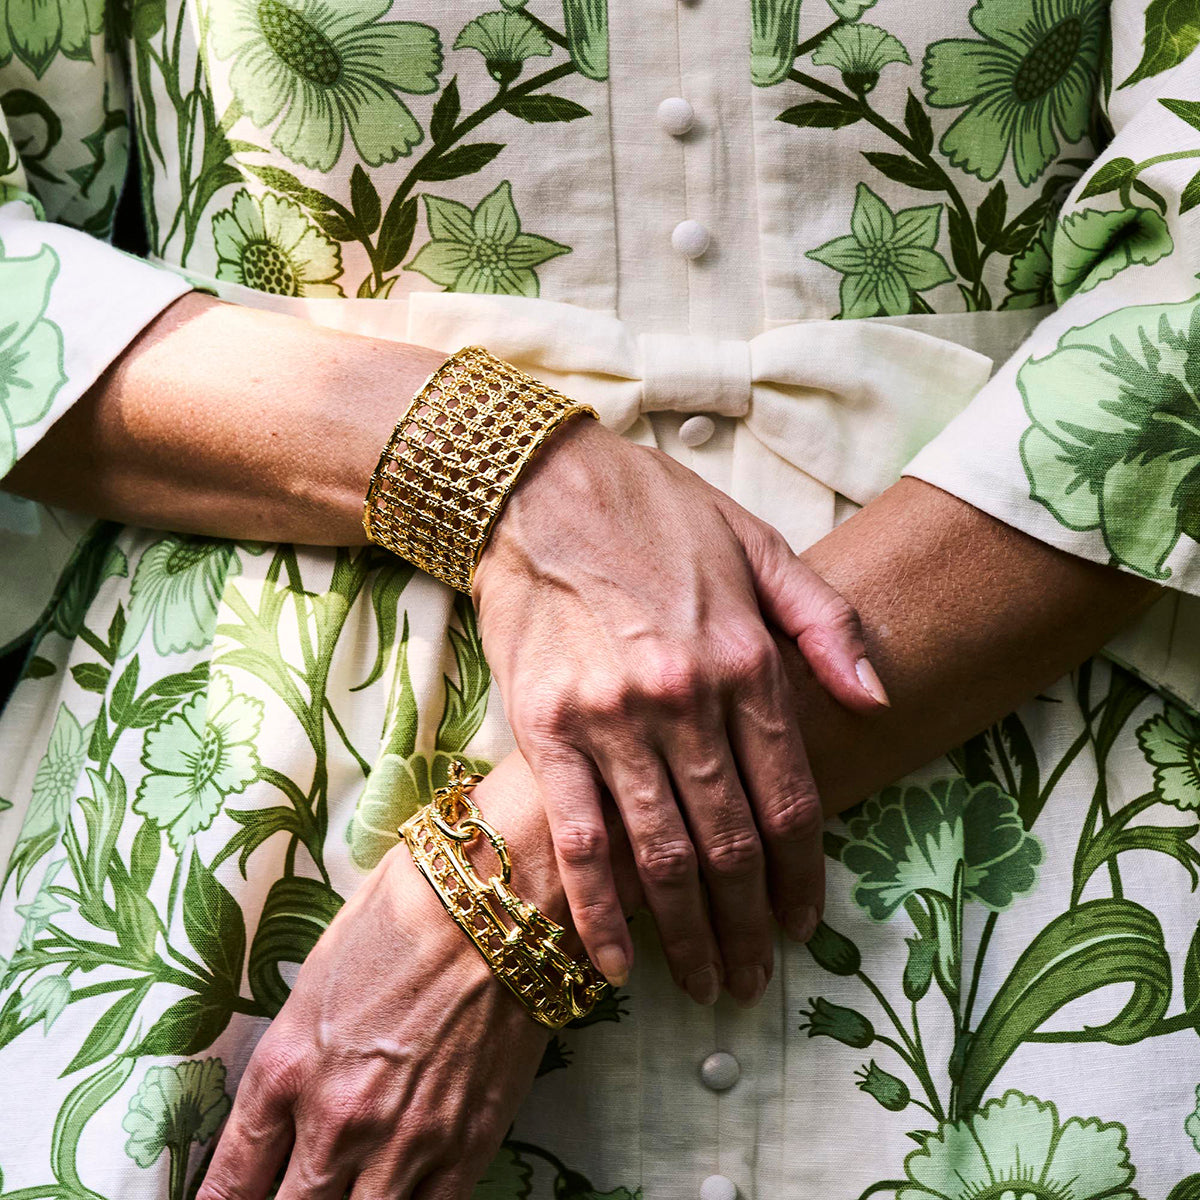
x: 393, y: 1070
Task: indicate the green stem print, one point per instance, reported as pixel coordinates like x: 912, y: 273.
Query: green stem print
x: 927, y: 850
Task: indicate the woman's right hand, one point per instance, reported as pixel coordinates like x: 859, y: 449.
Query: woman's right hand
x: 623, y: 606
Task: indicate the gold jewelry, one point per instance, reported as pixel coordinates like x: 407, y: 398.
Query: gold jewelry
x: 517, y: 941
x: 453, y: 459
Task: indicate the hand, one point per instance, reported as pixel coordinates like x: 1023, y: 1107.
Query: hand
x: 393, y: 1070
x: 622, y: 605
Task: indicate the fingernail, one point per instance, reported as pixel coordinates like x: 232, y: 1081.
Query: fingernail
x: 871, y: 682
x: 801, y: 923
x: 612, y: 964
x: 704, y: 985
x: 747, y: 984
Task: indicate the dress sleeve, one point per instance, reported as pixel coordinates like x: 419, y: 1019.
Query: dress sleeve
x: 1089, y: 436
x: 69, y: 301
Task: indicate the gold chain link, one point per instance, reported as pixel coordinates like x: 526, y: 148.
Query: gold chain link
x: 518, y: 942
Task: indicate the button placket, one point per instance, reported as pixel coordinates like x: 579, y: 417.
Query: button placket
x: 720, y: 1071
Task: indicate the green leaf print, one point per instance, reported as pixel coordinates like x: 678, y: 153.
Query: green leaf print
x: 1116, y: 419
x: 84, y: 1102
x: 270, y: 245
x: 197, y: 757
x: 173, y: 1107
x: 298, y: 910
x: 31, y: 347
x: 886, y: 259
x: 58, y: 776
x: 188, y: 1026
x: 482, y: 250
x: 1090, y: 947
x: 1027, y: 82
x: 215, y: 926
x: 321, y: 70
x: 1172, y: 33
x: 36, y: 33
x: 1091, y: 246
x: 911, y: 841
x: 506, y: 40
x: 1017, y: 1145
x: 177, y: 586
x: 1192, y: 1125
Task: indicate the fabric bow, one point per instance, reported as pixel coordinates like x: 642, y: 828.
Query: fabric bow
x: 847, y: 402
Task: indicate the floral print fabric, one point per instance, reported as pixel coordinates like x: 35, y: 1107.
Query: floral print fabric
x: 212, y: 743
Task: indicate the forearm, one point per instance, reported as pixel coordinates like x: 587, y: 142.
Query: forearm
x: 229, y: 421
x: 965, y: 619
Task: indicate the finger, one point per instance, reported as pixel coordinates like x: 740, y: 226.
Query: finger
x: 571, y: 795
x: 255, y: 1141
x: 825, y: 626
x: 316, y: 1178
x: 766, y: 740
x: 667, y: 866
x: 729, y: 850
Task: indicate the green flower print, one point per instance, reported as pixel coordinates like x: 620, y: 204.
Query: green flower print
x: 1192, y: 1125
x: 887, y: 258
x: 884, y: 1087
x: 1029, y: 280
x: 851, y: 10
x: 1016, y: 1146
x: 845, y: 1025
x: 198, y: 756
x: 178, y: 585
x: 1171, y: 742
x: 859, y: 52
x: 910, y: 841
x: 325, y: 68
x: 173, y: 1107
x: 46, y: 1000
x: 271, y: 246
x: 586, y: 23
x: 1091, y: 246
x: 1029, y: 81
x: 31, y: 347
x: 54, y: 784
x: 506, y: 40
x: 774, y: 26
x: 42, y: 909
x: 1115, y: 439
x: 35, y: 33
x: 484, y: 250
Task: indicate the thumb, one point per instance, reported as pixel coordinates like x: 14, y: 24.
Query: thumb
x: 824, y: 624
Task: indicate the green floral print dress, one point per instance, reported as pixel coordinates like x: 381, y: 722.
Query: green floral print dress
x: 865, y: 238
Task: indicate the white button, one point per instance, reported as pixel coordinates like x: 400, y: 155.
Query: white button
x: 676, y: 115
x: 695, y: 431
x: 719, y: 1071
x: 690, y: 239
x: 718, y: 1187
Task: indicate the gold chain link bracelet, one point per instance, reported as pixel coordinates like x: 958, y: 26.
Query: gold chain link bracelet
x: 453, y: 459
x: 517, y: 941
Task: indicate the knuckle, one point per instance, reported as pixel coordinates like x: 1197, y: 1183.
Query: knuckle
x: 752, y: 658
x: 795, y: 818
x: 673, y: 680
x: 275, y: 1070
x: 348, y: 1109
x: 734, y: 856
x: 605, y: 699
x: 214, y: 1187
x: 581, y: 844
x: 667, y: 862
x: 544, y: 716
x: 837, y: 617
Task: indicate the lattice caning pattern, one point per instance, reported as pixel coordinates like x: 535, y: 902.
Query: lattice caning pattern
x: 453, y: 458
x: 516, y: 940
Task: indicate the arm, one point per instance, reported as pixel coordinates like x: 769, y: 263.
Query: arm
x: 621, y: 606
x: 968, y: 618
